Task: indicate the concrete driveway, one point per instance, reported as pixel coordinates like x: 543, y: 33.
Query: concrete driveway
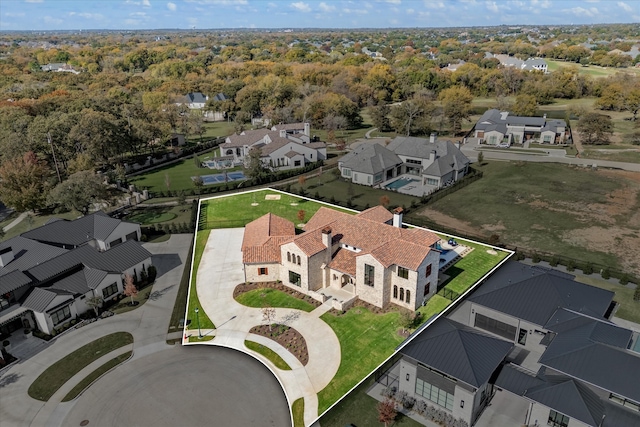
x: 505, y: 410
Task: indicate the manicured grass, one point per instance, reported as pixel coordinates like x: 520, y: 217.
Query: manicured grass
x: 629, y: 309
x: 85, y: 383
x: 237, y: 210
x: 360, y: 409
x: 267, y: 297
x: 615, y: 156
x: 592, y: 70
x: 434, y: 306
x: 269, y: 354
x: 195, y: 338
x: 159, y: 238
x: 205, y: 322
x: 297, y: 409
x: 161, y: 215
x: 125, y: 305
x: 214, y: 130
x: 366, y: 339
x: 179, y: 308
x: 60, y: 372
x: 151, y: 216
x: 534, y: 205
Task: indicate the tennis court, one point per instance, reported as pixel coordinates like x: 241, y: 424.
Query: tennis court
x: 222, y: 177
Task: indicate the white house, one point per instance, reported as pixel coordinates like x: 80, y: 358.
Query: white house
x: 500, y: 127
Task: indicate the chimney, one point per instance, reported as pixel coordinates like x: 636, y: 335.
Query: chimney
x: 432, y: 137
x: 326, y: 237
x: 283, y: 133
x: 397, y: 217
x: 432, y: 156
x: 6, y: 256
x: 307, y: 129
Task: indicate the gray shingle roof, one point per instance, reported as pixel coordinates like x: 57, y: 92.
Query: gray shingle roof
x: 79, y: 282
x: 196, y: 97
x: 534, y: 294
x: 370, y: 159
x: 27, y: 253
x: 458, y: 351
x: 496, y: 120
x: 77, y: 232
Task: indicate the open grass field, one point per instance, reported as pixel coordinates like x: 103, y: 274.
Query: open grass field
x: 205, y: 322
x: 60, y: 372
x: 592, y: 70
x: 587, y: 215
x: 82, y: 385
x: 267, y: 297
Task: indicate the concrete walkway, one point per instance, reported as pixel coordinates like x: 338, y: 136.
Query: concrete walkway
x: 220, y: 271
x: 15, y: 222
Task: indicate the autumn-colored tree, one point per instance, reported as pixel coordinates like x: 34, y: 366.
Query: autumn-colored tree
x: 525, y: 105
x: 302, y: 180
x: 25, y: 182
x: 387, y: 411
x: 384, y: 201
x: 130, y: 288
x: 301, y: 215
x: 456, y: 105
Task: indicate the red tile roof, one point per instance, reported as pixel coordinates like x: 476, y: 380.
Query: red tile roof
x: 377, y: 214
x: 263, y: 237
x: 344, y: 261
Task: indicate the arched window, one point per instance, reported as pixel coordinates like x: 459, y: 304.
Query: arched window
x: 298, y: 259
x: 401, y: 294
x: 408, y: 298
x: 395, y: 291
x: 289, y: 256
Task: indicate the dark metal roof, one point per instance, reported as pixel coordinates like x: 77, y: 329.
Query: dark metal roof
x: 458, y: 351
x: 39, y: 299
x: 617, y: 416
x: 27, y: 253
x: 12, y: 281
x: 575, y: 330
x: 116, y: 260
x: 77, y: 232
x: 534, y: 294
x: 79, y: 282
x: 517, y: 379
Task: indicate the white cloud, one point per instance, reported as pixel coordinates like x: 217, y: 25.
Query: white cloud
x: 355, y: 11
x: 87, y: 15
x: 132, y: 22
x: 394, y: 1
x: 52, y: 20
x: 301, y: 6
x: 326, y: 7
x: 219, y: 2
x: 146, y: 3
x: 138, y: 14
x: 581, y: 11
x: 433, y: 4
x: 492, y: 6
x: 410, y: 11
x: 172, y: 6
x: 625, y: 6
x: 33, y: 1
x: 14, y: 15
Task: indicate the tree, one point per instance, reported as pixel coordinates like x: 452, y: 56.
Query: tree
x: 525, y: 105
x: 636, y: 294
x: 25, y: 182
x: 595, y: 128
x: 380, y: 117
x: 256, y: 170
x: 480, y: 157
x: 387, y: 411
x: 301, y: 215
x: 198, y: 183
x: 80, y: 191
x: 384, y: 201
x: 95, y: 303
x: 130, y: 288
x: 456, y: 106
x: 268, y: 314
x: 302, y: 180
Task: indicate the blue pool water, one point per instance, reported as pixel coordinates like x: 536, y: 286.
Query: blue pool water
x: 398, y: 183
x: 219, y: 177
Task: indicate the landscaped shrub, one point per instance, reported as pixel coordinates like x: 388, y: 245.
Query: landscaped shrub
x: 535, y: 258
x: 624, y: 279
x: 588, y: 268
x: 389, y: 392
x: 571, y: 265
x: 553, y: 262
x: 636, y: 294
x: 520, y: 256
x: 408, y: 402
x: 605, y: 274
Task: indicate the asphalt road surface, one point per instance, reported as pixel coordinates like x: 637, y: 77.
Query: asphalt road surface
x: 184, y: 387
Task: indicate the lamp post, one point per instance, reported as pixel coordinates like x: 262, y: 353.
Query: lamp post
x: 198, y: 320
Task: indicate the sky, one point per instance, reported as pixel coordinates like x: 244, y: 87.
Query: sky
x: 205, y: 14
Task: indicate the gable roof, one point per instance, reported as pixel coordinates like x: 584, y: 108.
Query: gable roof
x: 534, y: 294
x: 458, y: 351
x: 377, y: 213
x: 27, y: 253
x: 12, y: 281
x: 39, y: 299
x: 288, y: 126
x: 196, y: 98
x: 494, y: 119
x: 263, y: 237
x: 97, y: 225
x: 248, y: 137
x: 370, y: 159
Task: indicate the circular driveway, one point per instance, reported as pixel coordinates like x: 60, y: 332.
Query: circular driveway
x: 185, y: 386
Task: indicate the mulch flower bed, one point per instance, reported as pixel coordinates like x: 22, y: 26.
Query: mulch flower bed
x: 287, y: 337
x: 390, y: 308
x: 246, y: 287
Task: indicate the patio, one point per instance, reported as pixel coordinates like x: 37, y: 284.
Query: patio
x: 412, y: 186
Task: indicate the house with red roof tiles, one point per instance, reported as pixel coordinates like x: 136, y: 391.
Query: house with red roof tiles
x: 368, y: 255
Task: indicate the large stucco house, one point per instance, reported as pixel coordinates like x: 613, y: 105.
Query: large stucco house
x: 429, y: 163
x: 497, y: 127
x: 538, y: 337
x: 47, y: 274
x: 368, y: 255
x: 282, y: 147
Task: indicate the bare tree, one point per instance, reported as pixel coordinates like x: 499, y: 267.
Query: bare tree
x: 268, y: 314
x: 130, y: 289
x: 301, y: 215
x: 95, y: 303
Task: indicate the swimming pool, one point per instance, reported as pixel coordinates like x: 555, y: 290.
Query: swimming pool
x: 220, y: 177
x: 401, y: 182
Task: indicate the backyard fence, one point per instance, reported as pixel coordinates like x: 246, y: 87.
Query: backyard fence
x: 448, y: 294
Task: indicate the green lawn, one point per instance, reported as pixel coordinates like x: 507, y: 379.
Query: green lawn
x: 237, y: 210
x: 629, y: 309
x: 592, y: 70
x: 616, y: 156
x: 269, y: 354
x: 125, y: 305
x: 366, y: 339
x: 267, y: 297
x: 60, y: 372
x: 82, y: 385
x: 205, y: 322
x: 434, y: 306
x: 161, y: 215
x: 179, y: 308
x: 297, y: 409
x: 360, y: 409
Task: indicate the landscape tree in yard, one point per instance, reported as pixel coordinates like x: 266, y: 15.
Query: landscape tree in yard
x: 384, y: 201
x: 387, y: 411
x: 595, y: 128
x: 456, y: 106
x: 25, y: 182
x: 636, y: 294
x: 80, y: 191
x: 301, y: 215
x: 480, y: 157
x: 380, y: 117
x: 130, y: 289
x: 198, y: 183
x: 167, y: 181
x: 302, y: 180
x: 95, y: 303
x: 256, y: 170
x: 525, y: 105
x: 268, y: 314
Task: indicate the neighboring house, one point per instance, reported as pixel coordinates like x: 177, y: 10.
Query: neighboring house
x: 431, y: 163
x: 59, y: 67
x: 283, y: 147
x: 194, y: 100
x: 368, y: 256
x: 569, y: 363
x: 531, y: 64
x: 497, y: 127
x: 47, y: 274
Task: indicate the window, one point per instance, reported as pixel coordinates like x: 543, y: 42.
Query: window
x: 110, y: 290
x: 132, y: 236
x: 432, y: 181
x: 311, y: 156
x: 407, y: 298
x: 415, y: 162
x: 289, y: 256
x: 368, y: 179
x: 296, y: 163
x: 346, y: 172
x: 624, y: 402
x: 115, y: 243
x: 434, y: 394
x: 262, y: 271
x: 522, y: 337
x: 556, y: 419
x: 495, y: 326
x: 547, y: 138
x: 428, y: 273
x: 355, y: 176
x: 403, y: 272
x: 377, y: 177
x: 493, y: 140
x: 401, y: 294
x: 60, y: 315
x: 369, y: 273
x: 294, y: 278
x: 427, y: 289
x: 395, y: 291
x: 298, y: 259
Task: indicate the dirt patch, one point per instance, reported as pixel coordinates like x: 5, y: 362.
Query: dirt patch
x: 246, y: 287
x: 287, y: 337
x: 494, y: 227
x: 450, y: 222
x: 622, y: 242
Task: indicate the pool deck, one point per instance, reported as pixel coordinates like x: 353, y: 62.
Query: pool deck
x: 414, y: 188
